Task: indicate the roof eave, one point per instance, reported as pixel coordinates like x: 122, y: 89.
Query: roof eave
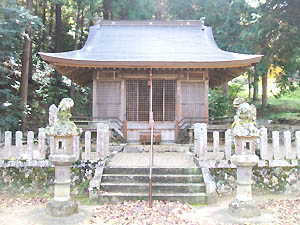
x: 151, y: 64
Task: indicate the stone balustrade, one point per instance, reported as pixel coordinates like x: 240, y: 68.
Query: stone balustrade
x: 275, y: 153
x: 19, y: 146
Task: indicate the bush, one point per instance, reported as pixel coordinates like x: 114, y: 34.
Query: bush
x: 218, y: 103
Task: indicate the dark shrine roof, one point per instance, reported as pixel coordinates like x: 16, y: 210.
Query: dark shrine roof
x: 153, y: 44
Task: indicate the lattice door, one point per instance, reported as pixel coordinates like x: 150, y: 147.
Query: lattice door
x: 108, y: 99
x: 192, y: 99
x: 163, y: 101
x: 137, y: 100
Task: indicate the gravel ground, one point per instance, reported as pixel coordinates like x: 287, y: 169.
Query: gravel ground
x: 31, y: 211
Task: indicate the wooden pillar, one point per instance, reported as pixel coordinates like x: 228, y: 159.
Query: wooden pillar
x: 123, y: 101
x: 176, y: 129
x: 125, y: 128
x: 206, y: 115
x: 178, y: 100
x: 95, y: 80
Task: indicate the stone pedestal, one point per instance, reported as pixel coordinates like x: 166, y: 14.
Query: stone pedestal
x: 61, y: 205
x: 61, y: 208
x: 243, y: 205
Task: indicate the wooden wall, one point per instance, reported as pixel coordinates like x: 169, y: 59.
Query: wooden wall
x: 191, y: 95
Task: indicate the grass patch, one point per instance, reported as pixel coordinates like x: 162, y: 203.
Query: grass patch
x: 287, y: 116
x: 284, y: 109
x: 84, y: 200
x: 288, y: 103
x: 81, y: 199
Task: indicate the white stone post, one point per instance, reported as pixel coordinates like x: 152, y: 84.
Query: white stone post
x: 19, y: 144
x: 289, y: 153
x: 265, y: 152
x: 297, y: 134
x: 87, y: 145
x: 51, y: 145
x: 30, y: 137
x: 76, y: 146
x: 216, y: 143
x: 102, y: 146
x: 201, y: 140
x: 98, y: 142
x: 7, y: 144
x: 41, y: 143
x: 275, y: 145
x: 106, y: 140
x: 197, y: 138
x: 228, y: 143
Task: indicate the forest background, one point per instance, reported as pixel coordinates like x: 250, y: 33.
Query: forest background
x: 28, y: 85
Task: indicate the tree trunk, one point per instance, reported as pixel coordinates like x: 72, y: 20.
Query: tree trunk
x: 43, y: 44
x: 50, y: 29
x: 255, y: 88
x: 72, y: 89
x: 249, y: 85
x: 58, y: 28
x: 25, y: 71
x: 58, y: 34
x: 36, y: 7
x: 81, y: 28
x: 107, y: 9
x: 30, y: 71
x: 264, y: 89
x: 226, y: 92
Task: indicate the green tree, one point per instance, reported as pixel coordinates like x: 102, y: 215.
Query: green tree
x: 274, y: 32
x: 132, y: 9
x: 14, y: 20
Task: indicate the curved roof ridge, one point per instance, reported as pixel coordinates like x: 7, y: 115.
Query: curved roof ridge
x: 144, y: 43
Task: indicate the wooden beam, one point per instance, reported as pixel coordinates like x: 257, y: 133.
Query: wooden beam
x: 82, y: 77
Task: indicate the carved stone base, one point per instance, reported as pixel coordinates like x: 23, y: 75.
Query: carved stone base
x: 61, y: 209
x: 246, y: 209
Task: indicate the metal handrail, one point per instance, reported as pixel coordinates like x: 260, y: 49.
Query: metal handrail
x: 150, y: 169
x: 151, y: 124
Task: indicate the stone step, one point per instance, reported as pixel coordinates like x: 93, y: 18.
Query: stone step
x: 143, y: 170
x: 192, y: 198
x: 143, y: 178
x: 156, y: 187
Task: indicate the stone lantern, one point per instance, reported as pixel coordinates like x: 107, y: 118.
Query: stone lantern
x: 245, y: 133
x: 62, y: 156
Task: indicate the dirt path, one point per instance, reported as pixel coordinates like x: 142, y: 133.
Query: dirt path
x: 31, y: 211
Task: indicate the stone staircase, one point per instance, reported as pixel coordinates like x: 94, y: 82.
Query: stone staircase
x: 169, y: 184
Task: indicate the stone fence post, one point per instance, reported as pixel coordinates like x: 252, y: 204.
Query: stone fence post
x: 102, y: 146
x: 200, y: 140
x: 7, y: 143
